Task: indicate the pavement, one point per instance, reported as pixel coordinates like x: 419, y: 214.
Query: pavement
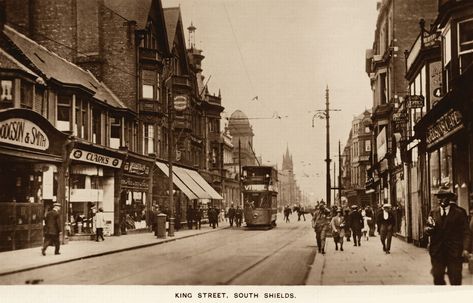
x: 31, y: 258
x: 369, y: 265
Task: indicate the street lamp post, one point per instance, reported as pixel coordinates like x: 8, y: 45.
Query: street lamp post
x: 170, y: 158
x: 325, y: 114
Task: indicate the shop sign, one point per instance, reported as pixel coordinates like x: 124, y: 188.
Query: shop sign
x: 255, y: 187
x: 180, y: 103
x: 23, y: 133
x: 446, y: 125
x: 435, y: 82
x: 134, y: 184
x: 414, y: 101
x: 400, y: 117
x: 381, y: 144
x: 90, y: 157
x: 136, y: 168
x: 431, y: 39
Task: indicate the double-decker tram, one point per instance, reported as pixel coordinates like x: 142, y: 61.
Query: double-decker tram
x: 260, y: 196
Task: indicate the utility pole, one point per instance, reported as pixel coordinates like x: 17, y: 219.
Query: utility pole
x: 170, y: 158
x: 327, y: 158
x: 239, y: 171
x: 325, y: 114
x: 339, y: 174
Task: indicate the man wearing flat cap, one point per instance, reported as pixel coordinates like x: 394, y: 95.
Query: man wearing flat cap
x: 52, y: 229
x: 449, y: 238
x: 385, y: 221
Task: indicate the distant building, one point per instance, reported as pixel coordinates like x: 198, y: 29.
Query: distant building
x: 356, y: 160
x: 289, y: 193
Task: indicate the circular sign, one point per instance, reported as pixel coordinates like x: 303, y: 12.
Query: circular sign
x: 438, y: 92
x: 180, y: 103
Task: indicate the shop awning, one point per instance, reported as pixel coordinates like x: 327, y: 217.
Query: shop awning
x: 206, y: 186
x: 189, y: 194
x: 193, y: 185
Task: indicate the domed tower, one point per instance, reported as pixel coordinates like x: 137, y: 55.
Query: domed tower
x: 242, y: 135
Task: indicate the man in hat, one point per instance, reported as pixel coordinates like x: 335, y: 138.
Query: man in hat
x: 52, y: 229
x: 321, y: 225
x: 450, y: 238
x: 356, y: 224
x: 385, y: 221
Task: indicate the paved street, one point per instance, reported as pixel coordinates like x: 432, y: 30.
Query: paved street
x: 282, y: 256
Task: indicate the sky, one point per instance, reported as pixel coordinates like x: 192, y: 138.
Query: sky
x: 287, y: 53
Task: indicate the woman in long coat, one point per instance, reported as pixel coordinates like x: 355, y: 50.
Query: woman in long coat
x: 338, y: 229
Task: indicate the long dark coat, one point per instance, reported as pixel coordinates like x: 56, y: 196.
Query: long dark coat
x: 451, y: 235
x: 52, y: 223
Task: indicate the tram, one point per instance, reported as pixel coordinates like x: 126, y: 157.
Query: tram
x: 260, y: 196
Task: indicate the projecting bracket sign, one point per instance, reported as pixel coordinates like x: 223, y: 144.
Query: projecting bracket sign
x: 95, y: 158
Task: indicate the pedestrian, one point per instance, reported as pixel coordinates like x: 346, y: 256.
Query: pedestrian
x: 198, y: 217
x: 190, y: 216
x: 287, y: 212
x: 385, y: 221
x: 450, y: 238
x: 231, y: 214
x: 99, y: 223
x: 356, y: 224
x: 238, y: 216
x: 52, y: 229
x: 346, y: 218
x: 211, y: 216
x: 370, y: 213
x: 300, y: 212
x: 366, y: 225
x: 338, y: 232
x: 321, y: 225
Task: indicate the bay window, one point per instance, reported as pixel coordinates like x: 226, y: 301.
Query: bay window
x: 148, y: 139
x: 6, y: 92
x: 115, y: 129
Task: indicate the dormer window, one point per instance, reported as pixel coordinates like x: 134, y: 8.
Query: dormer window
x: 465, y: 44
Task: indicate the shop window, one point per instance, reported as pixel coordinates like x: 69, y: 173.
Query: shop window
x: 64, y: 113
x: 26, y: 93
x: 6, y: 95
x: 465, y: 44
x: 115, y: 130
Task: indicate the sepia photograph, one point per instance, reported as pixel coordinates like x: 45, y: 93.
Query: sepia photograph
x: 236, y: 150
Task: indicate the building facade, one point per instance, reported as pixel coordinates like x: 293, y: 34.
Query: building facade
x: 106, y: 81
x: 385, y: 65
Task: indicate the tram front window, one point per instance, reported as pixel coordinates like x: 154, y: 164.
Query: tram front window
x: 258, y: 201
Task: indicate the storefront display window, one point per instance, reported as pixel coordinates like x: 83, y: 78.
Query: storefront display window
x: 440, y: 164
x: 134, y: 210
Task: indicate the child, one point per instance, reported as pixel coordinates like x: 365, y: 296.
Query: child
x: 366, y: 227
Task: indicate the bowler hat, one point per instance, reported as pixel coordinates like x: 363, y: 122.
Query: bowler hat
x: 387, y: 205
x: 445, y: 192
x: 57, y: 204
x: 354, y: 206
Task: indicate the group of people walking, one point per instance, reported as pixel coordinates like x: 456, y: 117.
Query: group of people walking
x: 450, y: 233
x: 352, y: 223
x: 235, y: 215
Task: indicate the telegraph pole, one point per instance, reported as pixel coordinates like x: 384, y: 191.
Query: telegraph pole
x: 325, y: 114
x: 327, y: 155
x: 339, y: 174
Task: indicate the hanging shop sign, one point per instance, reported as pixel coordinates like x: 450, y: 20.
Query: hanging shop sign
x: 435, y: 82
x: 21, y: 132
x: 180, y: 103
x: 381, y: 144
x: 414, y: 101
x: 448, y: 124
x: 135, y: 184
x: 95, y: 158
x: 136, y: 168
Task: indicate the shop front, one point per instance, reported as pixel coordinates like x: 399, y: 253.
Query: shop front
x: 135, y: 194
x: 447, y: 148
x: 32, y: 153
x: 191, y: 191
x: 93, y: 171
